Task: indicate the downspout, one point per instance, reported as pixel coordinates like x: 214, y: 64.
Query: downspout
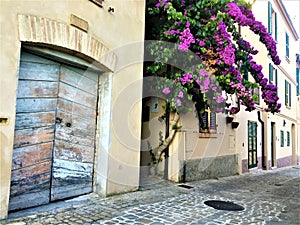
x: 184, y: 162
x: 262, y: 139
x: 166, y: 175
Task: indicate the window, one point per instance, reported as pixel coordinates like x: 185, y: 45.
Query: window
x: 272, y: 21
x: 281, y: 138
x: 288, y: 95
x: 288, y: 137
x: 272, y: 74
x: 287, y: 48
x: 245, y: 72
x: 255, y: 95
x: 208, y: 122
x: 298, y: 81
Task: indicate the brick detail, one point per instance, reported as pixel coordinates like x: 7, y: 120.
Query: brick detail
x: 47, y: 31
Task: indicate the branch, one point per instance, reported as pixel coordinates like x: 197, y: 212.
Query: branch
x: 160, y: 149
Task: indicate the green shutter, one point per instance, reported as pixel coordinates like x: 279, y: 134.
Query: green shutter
x: 271, y: 73
x: 288, y: 138
x: 287, y: 50
x: 245, y: 71
x: 275, y: 26
x: 270, y: 17
x: 290, y: 95
x: 286, y: 93
x: 281, y: 138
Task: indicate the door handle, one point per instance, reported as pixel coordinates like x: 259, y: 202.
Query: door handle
x: 58, y: 120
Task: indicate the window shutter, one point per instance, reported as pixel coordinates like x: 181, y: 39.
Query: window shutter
x: 271, y: 73
x: 287, y: 51
x: 290, y: 94
x: 288, y: 138
x: 281, y: 138
x: 298, y: 81
x: 245, y: 72
x: 204, y: 118
x: 286, y: 93
x: 275, y: 26
x: 213, y: 121
x: 270, y: 17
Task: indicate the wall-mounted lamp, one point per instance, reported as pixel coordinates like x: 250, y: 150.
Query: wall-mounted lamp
x: 111, y: 9
x: 284, y: 123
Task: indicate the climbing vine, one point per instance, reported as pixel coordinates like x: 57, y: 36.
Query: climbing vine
x: 216, y: 56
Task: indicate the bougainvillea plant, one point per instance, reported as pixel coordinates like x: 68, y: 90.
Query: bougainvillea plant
x: 210, y: 30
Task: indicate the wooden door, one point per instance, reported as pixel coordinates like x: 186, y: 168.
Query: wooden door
x: 273, y: 143
x: 74, y: 133
x: 54, y: 132
x: 252, y: 144
x: 34, y: 132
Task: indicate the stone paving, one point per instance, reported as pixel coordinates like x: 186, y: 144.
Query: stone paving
x: 269, y: 197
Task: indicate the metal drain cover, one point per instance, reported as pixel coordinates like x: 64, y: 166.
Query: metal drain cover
x: 185, y: 186
x: 223, y: 205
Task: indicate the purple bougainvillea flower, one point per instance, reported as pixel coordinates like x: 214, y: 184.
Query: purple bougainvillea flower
x: 166, y: 90
x: 178, y: 102
x: 180, y: 94
x: 202, y: 43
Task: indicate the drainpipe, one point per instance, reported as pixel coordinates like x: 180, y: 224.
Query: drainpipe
x: 262, y: 139
x: 184, y: 158
x: 166, y: 175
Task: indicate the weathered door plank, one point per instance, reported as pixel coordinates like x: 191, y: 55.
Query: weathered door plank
x: 30, y: 120
x: 30, y: 186
x: 78, y: 80
x: 33, y: 136
x: 31, y: 155
x: 76, y: 109
x: 36, y: 105
x: 70, y: 178
x: 73, y: 94
x: 30, y: 89
x: 73, y: 152
x: 81, y: 126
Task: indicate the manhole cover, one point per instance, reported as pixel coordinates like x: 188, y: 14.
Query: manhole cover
x: 185, y: 186
x: 223, y: 205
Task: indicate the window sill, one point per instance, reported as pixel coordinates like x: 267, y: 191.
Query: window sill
x: 288, y: 107
x: 287, y: 59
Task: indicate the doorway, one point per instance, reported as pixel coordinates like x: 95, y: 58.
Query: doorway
x: 252, y: 144
x: 273, y: 144
x: 54, y: 143
x: 294, y: 149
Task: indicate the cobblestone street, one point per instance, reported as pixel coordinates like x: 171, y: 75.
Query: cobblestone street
x: 269, y: 197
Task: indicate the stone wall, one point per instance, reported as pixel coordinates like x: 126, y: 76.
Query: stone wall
x: 211, y: 167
